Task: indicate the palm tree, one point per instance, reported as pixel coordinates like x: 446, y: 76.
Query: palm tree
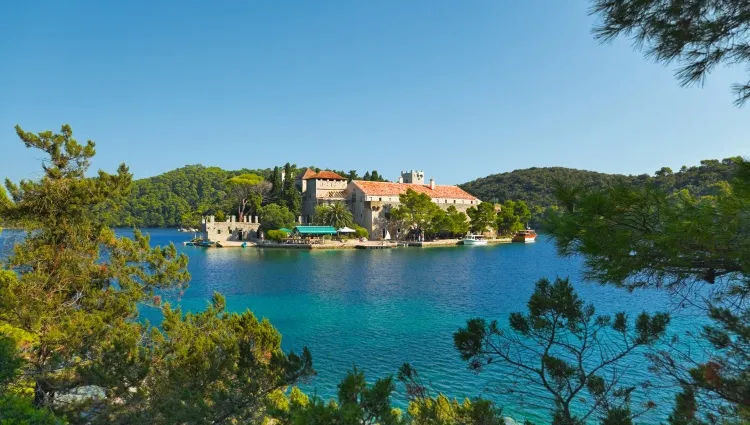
x: 336, y: 215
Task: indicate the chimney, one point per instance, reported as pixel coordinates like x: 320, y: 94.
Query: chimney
x: 400, y: 179
x: 432, y: 183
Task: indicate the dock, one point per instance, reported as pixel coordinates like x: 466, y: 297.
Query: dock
x: 351, y: 244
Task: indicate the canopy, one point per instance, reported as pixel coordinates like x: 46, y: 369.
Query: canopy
x: 315, y: 230
x: 347, y: 230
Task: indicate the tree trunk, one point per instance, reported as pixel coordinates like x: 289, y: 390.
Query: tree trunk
x: 43, y: 394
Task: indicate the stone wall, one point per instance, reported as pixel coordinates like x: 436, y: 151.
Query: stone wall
x: 230, y: 230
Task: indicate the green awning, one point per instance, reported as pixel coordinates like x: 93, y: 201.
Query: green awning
x: 314, y: 230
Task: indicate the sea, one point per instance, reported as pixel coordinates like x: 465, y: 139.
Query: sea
x: 377, y: 309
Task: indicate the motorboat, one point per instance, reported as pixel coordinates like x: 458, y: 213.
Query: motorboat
x: 525, y: 236
x: 474, y: 240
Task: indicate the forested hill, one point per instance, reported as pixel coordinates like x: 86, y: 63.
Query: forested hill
x: 534, y: 185
x: 180, y: 197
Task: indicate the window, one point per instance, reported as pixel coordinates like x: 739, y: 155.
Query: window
x: 454, y: 201
x: 380, y: 199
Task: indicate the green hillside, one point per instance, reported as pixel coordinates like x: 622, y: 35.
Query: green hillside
x: 535, y: 185
x: 180, y: 197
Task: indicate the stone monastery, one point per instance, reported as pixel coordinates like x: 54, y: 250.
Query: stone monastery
x: 371, y: 202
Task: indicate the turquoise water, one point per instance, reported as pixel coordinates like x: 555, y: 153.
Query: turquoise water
x: 377, y: 309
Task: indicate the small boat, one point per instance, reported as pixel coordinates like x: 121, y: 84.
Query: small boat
x: 474, y: 240
x: 525, y: 236
x: 205, y: 243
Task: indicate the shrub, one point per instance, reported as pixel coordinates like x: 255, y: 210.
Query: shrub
x: 276, y: 235
x: 361, y: 232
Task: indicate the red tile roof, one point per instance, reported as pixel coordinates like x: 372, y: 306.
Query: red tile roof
x: 328, y: 175
x: 395, y: 189
x: 309, y: 174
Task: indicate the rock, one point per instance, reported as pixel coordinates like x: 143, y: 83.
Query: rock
x: 81, y: 394
x: 509, y: 421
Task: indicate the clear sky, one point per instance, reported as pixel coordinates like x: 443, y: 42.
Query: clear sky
x: 460, y: 89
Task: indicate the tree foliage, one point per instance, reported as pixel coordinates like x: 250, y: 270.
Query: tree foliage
x: 368, y: 176
x: 483, y: 217
x: 513, y: 216
x: 277, y: 187
x: 361, y: 404
x: 273, y: 217
x: 336, y: 215
x: 459, y: 221
x: 561, y: 355
x: 277, y: 235
x: 181, y: 197
x: 415, y: 210
x: 212, y: 367
x: 539, y: 187
x: 248, y: 188
x: 698, y: 35
x: 697, y: 249
x: 425, y: 408
x: 418, y: 212
x: 357, y: 404
x: 73, y: 289
x: 361, y: 232
x: 292, y: 197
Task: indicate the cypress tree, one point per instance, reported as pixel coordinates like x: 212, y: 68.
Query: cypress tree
x: 292, y: 197
x: 277, y: 190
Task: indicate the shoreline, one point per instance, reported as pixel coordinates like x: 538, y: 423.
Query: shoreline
x: 354, y: 244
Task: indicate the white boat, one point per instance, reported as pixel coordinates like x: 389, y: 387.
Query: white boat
x: 474, y: 240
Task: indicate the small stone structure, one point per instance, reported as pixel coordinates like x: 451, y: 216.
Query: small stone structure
x: 231, y: 230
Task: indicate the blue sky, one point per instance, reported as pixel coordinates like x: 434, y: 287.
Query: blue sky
x: 458, y: 89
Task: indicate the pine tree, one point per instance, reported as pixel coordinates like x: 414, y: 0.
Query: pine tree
x: 70, y: 296
x: 696, y: 249
x: 367, y: 176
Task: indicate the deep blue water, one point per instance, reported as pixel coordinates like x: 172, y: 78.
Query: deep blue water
x: 377, y: 309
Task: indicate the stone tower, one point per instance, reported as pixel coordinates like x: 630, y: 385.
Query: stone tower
x: 413, y: 177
